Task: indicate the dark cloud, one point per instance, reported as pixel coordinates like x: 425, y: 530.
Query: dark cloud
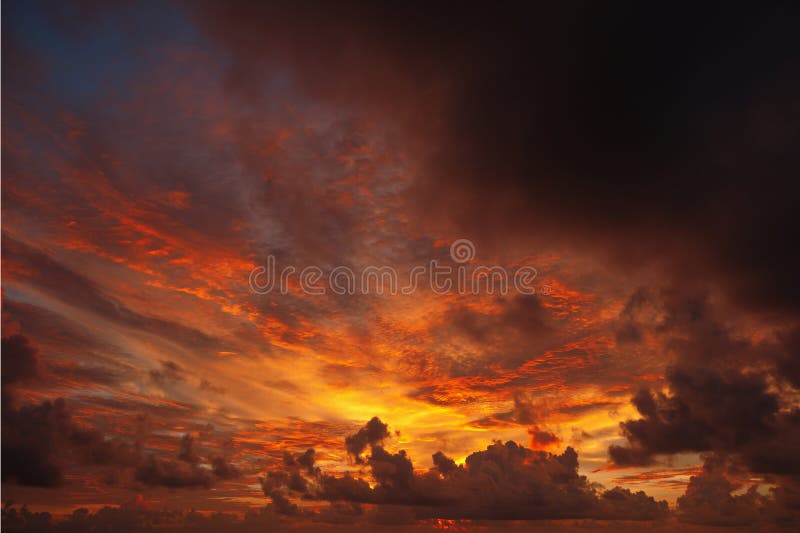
x: 705, y: 411
x: 444, y: 464
x: 187, y: 470
x: 340, y: 513
x: 709, y: 500
x: 394, y: 472
x: 282, y: 505
x: 186, y: 451
x: 505, y: 481
x: 21, y: 360
x: 223, y: 469
x: 507, y: 337
x: 163, y: 472
x: 42, y: 442
x: 661, y: 134
x: 374, y: 432
x: 727, y: 395
x: 722, y: 393
x: 541, y: 437
x: 304, y: 461
x: 30, y: 444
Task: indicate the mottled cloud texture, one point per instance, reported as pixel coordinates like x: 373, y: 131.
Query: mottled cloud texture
x: 642, y: 157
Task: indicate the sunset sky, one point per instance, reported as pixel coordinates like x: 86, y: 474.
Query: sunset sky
x: 639, y: 158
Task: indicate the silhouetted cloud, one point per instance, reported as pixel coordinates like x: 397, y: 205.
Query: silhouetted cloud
x: 41, y: 442
x: 158, y: 471
x: 724, y: 396
x: 505, y: 481
x: 373, y: 433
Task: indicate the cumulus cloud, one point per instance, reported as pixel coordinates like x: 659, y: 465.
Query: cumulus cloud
x: 374, y: 432
x: 726, y: 395
x: 705, y: 410
x: 504, y: 481
x: 709, y: 500
x: 188, y: 469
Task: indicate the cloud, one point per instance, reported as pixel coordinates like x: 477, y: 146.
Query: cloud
x: 186, y: 451
x: 187, y: 470
x: 39, y: 441
x: 505, y: 481
x: 541, y: 438
x: 444, y: 464
x: 706, y: 410
x: 726, y: 395
x: 35, y: 267
x: 157, y: 471
x: 722, y: 394
x: 42, y: 442
x: 372, y: 433
x: 21, y: 361
x: 709, y: 500
x: 170, y: 372
x: 501, y: 337
x: 617, y: 150
x: 223, y: 469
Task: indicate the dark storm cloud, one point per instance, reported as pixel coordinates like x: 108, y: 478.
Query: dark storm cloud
x: 728, y: 395
x: 663, y: 133
x: 722, y: 393
x: 505, y: 481
x: 704, y: 411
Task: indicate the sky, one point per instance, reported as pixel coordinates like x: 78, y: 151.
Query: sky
x: 317, y: 265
